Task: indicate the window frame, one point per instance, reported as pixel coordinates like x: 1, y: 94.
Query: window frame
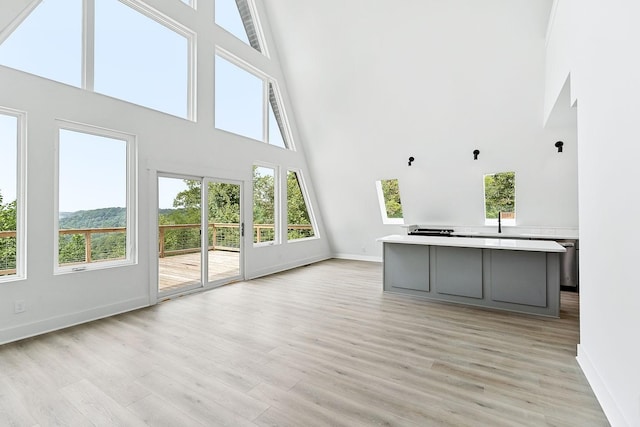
x: 383, y: 203
x: 510, y: 222
x: 280, y: 113
x: 277, y: 217
x: 21, y: 195
x: 307, y: 202
x: 87, y: 72
x: 267, y: 83
x: 131, y: 237
x: 162, y: 19
x: 257, y: 26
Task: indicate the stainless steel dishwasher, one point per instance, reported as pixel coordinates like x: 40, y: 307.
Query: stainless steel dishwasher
x: 569, y: 271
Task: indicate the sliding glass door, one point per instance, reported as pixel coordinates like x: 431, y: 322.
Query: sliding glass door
x: 189, y: 259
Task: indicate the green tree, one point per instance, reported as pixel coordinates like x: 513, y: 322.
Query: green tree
x: 186, y: 211
x: 391, y: 194
x: 71, y: 248
x: 499, y: 194
x: 263, y: 203
x: 224, y: 203
x: 263, y: 198
x: 8, y: 215
x: 8, y: 245
x: 297, y: 213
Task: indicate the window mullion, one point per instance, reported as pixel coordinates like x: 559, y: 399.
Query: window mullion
x: 265, y: 111
x: 88, y: 44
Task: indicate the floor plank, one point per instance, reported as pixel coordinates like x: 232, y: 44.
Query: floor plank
x: 314, y: 346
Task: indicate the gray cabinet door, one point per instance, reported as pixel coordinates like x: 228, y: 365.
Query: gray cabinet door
x: 519, y: 277
x: 406, y: 267
x: 457, y: 271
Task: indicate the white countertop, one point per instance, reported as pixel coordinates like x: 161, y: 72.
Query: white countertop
x: 508, y: 231
x: 510, y: 235
x: 476, y: 242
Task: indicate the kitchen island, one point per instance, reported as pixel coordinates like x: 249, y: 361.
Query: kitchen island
x: 507, y: 274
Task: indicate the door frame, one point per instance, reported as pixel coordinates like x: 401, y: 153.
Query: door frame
x: 204, y: 201
x: 204, y: 284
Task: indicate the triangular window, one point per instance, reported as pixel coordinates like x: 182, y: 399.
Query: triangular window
x: 299, y: 217
x: 46, y: 42
x: 238, y: 17
x: 276, y: 121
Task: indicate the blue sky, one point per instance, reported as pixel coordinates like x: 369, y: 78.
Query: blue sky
x: 92, y: 172
x: 138, y: 60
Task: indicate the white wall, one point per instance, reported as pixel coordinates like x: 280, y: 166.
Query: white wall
x: 165, y: 143
x: 378, y: 82
x: 604, y: 66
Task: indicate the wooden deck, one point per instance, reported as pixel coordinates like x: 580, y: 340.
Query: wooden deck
x: 180, y: 271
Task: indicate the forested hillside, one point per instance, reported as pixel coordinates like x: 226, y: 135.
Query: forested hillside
x: 96, y: 218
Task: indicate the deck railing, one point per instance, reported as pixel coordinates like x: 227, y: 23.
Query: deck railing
x: 7, y: 253
x: 172, y: 240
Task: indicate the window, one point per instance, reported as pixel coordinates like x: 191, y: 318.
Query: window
x: 299, y: 223
x: 389, y: 199
x: 128, y: 51
x: 277, y: 127
x: 141, y: 60
x: 264, y: 207
x: 96, y: 198
x: 47, y: 42
x: 11, y: 200
x: 238, y: 17
x: 243, y: 107
x: 239, y: 100
x: 500, y: 197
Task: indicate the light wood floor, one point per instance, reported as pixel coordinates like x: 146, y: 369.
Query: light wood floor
x: 319, y: 345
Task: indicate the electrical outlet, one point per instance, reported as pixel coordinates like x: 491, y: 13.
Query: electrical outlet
x: 19, y: 306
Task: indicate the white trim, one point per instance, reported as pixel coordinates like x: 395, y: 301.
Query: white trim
x: 64, y: 321
x: 288, y: 137
x: 239, y: 62
x: 19, y: 19
x: 353, y: 257
x: 551, y: 22
x: 88, y: 44
x: 21, y: 195
x: 609, y: 405
x: 287, y: 266
x: 258, y: 27
x: 131, y: 236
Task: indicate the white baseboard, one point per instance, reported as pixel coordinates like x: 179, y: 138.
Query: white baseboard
x: 284, y: 267
x: 353, y: 257
x: 608, y: 403
x: 55, y: 323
